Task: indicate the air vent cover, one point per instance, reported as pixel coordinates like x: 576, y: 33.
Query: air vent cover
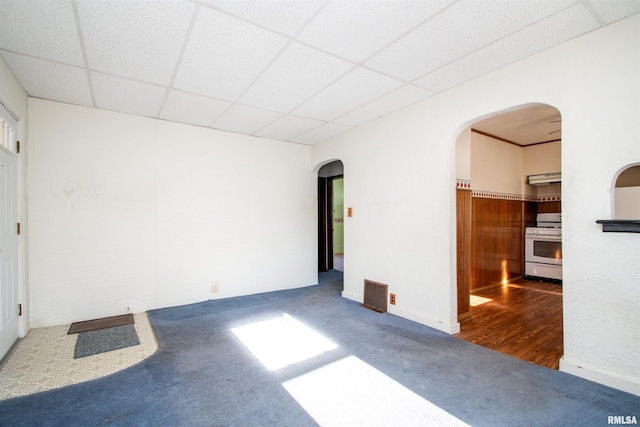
x: 375, y: 296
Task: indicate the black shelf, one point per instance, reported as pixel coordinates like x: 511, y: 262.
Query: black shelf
x: 620, y: 225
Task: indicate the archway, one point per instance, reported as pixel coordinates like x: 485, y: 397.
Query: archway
x: 626, y: 205
x: 331, y: 216
x: 496, y: 201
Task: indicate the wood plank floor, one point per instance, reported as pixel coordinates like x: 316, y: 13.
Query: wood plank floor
x: 522, y: 319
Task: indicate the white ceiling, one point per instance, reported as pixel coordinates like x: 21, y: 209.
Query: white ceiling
x: 524, y: 126
x: 294, y: 70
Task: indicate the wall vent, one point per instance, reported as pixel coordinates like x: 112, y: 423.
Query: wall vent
x: 375, y: 296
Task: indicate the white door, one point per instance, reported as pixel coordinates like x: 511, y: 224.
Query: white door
x: 9, y: 298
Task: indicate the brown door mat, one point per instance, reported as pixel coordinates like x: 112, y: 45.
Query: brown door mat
x: 104, y: 323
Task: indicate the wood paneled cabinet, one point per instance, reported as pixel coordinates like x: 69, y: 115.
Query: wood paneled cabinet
x: 490, y: 241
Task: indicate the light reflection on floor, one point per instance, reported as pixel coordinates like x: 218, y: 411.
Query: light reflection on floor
x: 346, y: 392
x: 282, y: 341
x: 476, y: 300
x: 352, y: 392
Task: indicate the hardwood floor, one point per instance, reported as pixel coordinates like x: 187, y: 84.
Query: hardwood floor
x: 522, y: 319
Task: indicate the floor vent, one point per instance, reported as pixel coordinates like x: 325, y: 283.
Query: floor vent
x: 375, y: 296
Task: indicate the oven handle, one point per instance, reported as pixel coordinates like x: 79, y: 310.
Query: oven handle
x: 547, y: 238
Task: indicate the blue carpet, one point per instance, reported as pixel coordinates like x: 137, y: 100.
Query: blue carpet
x: 203, y: 375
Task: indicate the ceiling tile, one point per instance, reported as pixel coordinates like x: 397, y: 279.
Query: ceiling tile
x: 243, y: 119
x: 288, y: 127
x: 297, y: 74
x: 193, y: 109
x: 549, y: 32
x: 614, y: 10
x: 225, y: 55
x: 459, y: 30
x: 357, y: 29
x: 406, y: 95
x: 358, y: 87
x: 36, y: 76
x: 136, y: 39
x: 127, y: 96
x: 283, y: 16
x: 321, y: 133
x: 49, y: 27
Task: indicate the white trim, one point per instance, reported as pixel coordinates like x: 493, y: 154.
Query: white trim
x: 415, y: 317
x: 23, y: 321
x: 599, y: 376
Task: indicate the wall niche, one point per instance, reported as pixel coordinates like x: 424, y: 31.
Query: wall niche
x: 626, y: 203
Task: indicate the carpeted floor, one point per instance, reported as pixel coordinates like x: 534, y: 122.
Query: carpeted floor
x: 310, y: 357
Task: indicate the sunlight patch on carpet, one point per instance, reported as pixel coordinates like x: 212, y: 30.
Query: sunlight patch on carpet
x: 282, y: 341
x: 352, y: 392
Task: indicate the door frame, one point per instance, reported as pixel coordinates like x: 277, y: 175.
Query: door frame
x: 19, y: 151
x: 325, y: 222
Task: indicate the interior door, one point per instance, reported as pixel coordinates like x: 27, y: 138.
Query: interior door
x: 9, y: 299
x: 325, y: 221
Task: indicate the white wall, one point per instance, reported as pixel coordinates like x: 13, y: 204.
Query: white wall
x: 541, y: 159
x: 403, y: 225
x: 627, y: 203
x: 130, y: 213
x: 496, y: 166
x: 463, y: 155
x: 14, y: 97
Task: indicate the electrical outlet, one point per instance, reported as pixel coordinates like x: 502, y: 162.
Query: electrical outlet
x: 392, y: 299
x: 214, y: 287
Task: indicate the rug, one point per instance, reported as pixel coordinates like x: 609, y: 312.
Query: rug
x: 103, y: 340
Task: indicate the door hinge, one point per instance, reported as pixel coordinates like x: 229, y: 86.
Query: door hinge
x: 18, y: 229
x: 18, y: 147
x: 19, y: 309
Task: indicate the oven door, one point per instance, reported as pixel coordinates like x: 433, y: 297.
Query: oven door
x: 543, y: 249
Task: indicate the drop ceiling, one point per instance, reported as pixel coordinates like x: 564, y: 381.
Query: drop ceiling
x: 292, y: 70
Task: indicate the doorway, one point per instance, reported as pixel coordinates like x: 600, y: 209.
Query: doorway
x: 494, y: 205
x: 331, y: 217
x: 9, y: 243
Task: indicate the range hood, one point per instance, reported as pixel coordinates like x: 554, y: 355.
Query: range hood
x: 544, y: 179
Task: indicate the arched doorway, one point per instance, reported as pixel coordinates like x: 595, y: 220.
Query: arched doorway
x: 500, y: 305
x: 331, y: 217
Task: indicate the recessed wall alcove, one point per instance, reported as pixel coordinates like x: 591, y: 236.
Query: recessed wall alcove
x: 626, y: 203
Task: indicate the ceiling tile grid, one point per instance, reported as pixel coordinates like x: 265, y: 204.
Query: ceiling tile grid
x: 192, y: 109
x: 548, y: 32
x: 295, y: 76
x: 360, y: 86
x: 288, y: 127
x: 36, y: 76
x: 357, y: 29
x: 282, y: 16
x: 224, y: 55
x: 243, y: 119
x: 134, y: 39
x: 127, y: 96
x: 45, y: 30
x: 298, y: 71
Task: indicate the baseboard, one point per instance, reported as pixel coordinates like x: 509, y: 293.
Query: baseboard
x: 598, y: 376
x: 352, y: 296
x: 409, y: 315
x: 428, y: 321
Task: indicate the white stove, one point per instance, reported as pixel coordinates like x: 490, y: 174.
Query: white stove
x: 543, y: 247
